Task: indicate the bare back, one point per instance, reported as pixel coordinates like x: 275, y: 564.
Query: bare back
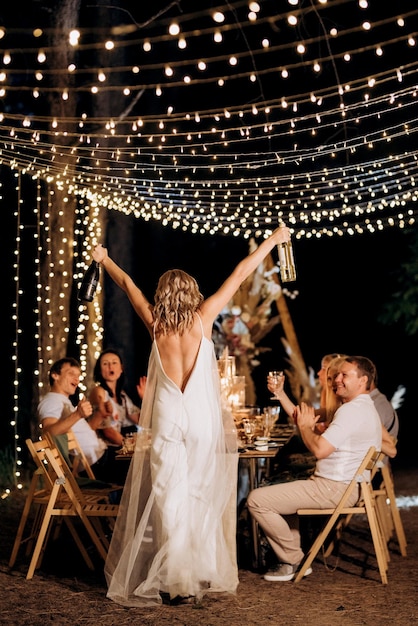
x: 178, y: 353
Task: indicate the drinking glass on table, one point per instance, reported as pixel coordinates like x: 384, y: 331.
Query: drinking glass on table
x: 274, y: 411
x: 129, y: 443
x: 249, y: 428
x: 275, y: 382
x: 270, y: 417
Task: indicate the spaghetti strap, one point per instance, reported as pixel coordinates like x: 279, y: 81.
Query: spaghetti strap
x: 201, y: 323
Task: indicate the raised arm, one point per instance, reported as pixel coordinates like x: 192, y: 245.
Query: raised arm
x: 287, y: 405
x: 56, y: 426
x: 215, y: 303
x: 125, y: 282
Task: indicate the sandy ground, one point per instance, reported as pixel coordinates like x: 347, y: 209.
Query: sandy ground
x: 344, y: 591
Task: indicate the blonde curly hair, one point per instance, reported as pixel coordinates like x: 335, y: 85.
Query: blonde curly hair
x: 332, y: 401
x: 177, y: 298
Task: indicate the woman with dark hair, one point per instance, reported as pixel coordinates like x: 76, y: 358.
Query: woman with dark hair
x: 120, y: 416
x: 175, y: 537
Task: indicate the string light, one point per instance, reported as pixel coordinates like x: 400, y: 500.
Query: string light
x: 16, y: 346
x: 226, y: 121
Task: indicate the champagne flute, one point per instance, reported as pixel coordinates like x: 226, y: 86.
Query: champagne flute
x: 275, y: 381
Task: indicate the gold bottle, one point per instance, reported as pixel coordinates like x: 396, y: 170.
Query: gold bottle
x: 286, y: 262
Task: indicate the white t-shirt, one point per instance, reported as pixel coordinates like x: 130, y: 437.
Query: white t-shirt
x: 355, y: 428
x: 57, y: 405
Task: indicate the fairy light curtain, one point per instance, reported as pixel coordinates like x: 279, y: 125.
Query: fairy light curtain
x: 218, y: 120
x: 225, y: 118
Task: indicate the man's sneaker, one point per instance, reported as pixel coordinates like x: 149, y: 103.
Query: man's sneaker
x: 283, y: 572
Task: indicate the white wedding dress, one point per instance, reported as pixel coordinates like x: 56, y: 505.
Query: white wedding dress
x: 176, y: 530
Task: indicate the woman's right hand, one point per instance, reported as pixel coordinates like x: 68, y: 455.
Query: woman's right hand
x: 99, y: 253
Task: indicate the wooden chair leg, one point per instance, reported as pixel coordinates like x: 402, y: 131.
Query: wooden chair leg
x: 380, y: 546
x: 19, y: 540
x: 396, y: 517
x: 42, y: 535
x: 316, y: 546
x: 384, y: 513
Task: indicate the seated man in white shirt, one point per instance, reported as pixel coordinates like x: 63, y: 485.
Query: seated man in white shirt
x: 339, y: 450
x: 57, y: 415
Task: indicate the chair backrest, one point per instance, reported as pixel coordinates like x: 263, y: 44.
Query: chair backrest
x: 72, y: 452
x: 362, y: 475
x: 73, y: 455
x: 369, y: 463
x: 55, y: 469
x: 37, y: 451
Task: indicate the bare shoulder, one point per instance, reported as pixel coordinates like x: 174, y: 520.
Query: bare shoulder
x: 97, y: 393
x: 207, y: 314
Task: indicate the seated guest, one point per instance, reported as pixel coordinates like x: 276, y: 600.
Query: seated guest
x: 387, y: 413
x: 57, y: 415
x: 339, y: 450
x: 120, y: 416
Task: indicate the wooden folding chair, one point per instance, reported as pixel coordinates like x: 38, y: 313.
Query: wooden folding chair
x: 65, y: 500
x: 387, y: 509
x: 38, y: 493
x: 37, y: 500
x: 365, y: 506
x: 73, y: 454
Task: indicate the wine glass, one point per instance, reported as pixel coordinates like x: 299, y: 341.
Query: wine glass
x: 270, y: 417
x: 267, y: 425
x: 249, y: 428
x: 275, y: 381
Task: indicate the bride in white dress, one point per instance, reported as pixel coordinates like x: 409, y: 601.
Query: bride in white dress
x: 174, y: 538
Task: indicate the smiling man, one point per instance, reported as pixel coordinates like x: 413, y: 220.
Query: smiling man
x: 339, y: 451
x: 57, y: 415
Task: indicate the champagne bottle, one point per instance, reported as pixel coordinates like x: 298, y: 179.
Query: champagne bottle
x: 89, y: 283
x: 286, y: 262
